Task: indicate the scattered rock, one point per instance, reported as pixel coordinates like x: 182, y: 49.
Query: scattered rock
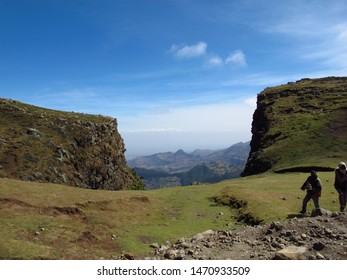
x: 290, y: 253
x: 174, y: 255
x: 208, y: 232
x: 34, y: 132
x: 320, y: 256
x: 155, y: 245
x: 318, y: 246
x: 210, y: 244
x: 198, y: 237
x: 309, y: 238
x: 276, y: 226
x: 114, y: 236
x: 320, y: 212
x: 128, y: 256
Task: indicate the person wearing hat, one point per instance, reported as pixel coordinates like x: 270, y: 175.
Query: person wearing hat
x: 340, y: 184
x: 313, y: 187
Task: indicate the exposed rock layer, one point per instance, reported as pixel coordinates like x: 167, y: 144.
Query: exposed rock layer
x: 43, y: 145
x: 299, y: 126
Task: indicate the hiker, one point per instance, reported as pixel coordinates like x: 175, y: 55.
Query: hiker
x: 313, y: 186
x: 340, y: 184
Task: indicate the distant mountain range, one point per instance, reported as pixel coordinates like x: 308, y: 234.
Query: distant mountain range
x: 200, y: 166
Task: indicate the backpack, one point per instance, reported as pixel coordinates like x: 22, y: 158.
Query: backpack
x: 315, y: 184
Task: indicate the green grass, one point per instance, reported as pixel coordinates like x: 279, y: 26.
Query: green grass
x: 302, y: 124
x: 37, y: 221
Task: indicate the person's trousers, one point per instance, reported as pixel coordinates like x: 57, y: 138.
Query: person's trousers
x: 342, y: 198
x: 307, y: 198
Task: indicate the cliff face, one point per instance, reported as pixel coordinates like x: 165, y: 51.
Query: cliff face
x: 81, y: 150
x: 299, y: 126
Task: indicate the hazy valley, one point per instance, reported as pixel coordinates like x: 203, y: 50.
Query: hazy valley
x: 200, y: 166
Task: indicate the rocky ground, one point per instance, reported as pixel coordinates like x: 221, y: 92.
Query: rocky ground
x: 310, y: 238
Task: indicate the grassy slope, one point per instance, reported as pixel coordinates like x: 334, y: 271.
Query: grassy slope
x: 308, y: 122
x: 26, y: 154
x: 69, y: 148
x: 58, y: 222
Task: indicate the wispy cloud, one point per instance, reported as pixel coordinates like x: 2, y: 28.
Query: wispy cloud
x: 318, y: 35
x: 189, y: 51
x: 237, y: 58
x: 310, y: 32
x: 211, y: 60
x: 214, y: 61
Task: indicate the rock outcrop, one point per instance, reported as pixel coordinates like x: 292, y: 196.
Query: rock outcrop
x: 299, y: 126
x: 51, y: 146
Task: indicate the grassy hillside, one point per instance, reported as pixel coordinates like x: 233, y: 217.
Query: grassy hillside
x: 300, y: 125
x: 38, y: 144
x: 48, y: 221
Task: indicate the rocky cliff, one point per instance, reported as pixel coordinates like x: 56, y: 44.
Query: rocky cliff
x: 81, y: 150
x: 299, y: 126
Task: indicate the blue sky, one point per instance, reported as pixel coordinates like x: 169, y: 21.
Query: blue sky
x: 175, y: 73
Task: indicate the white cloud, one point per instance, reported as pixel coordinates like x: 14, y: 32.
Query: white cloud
x: 237, y: 58
x: 189, y: 51
x: 214, y: 60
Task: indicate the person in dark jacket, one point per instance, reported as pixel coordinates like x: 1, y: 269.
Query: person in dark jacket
x: 313, y: 187
x: 340, y: 184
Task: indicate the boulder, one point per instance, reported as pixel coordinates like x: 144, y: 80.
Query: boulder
x: 208, y: 232
x: 198, y: 237
x: 318, y: 246
x: 320, y: 212
x: 290, y: 253
x: 154, y: 245
x: 34, y: 132
x: 276, y: 226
